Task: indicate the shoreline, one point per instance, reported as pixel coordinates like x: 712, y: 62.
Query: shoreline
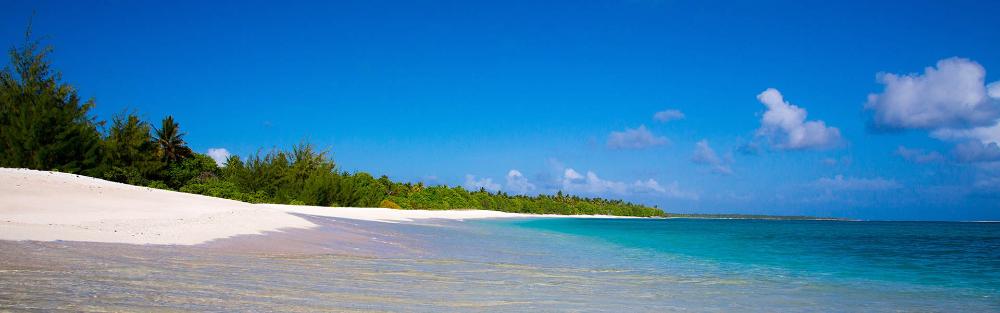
x: 776, y: 218
x: 53, y: 206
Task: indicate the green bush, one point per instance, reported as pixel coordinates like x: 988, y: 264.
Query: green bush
x: 127, y: 175
x: 224, y: 189
x: 388, y: 204
x: 304, y: 175
x: 445, y: 198
x: 158, y: 185
x: 196, y: 166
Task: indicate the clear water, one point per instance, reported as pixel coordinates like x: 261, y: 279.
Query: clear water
x: 952, y: 255
x: 535, y: 265
x: 937, y: 266
x: 763, y: 265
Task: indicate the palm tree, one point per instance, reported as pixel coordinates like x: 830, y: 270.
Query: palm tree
x: 171, y: 141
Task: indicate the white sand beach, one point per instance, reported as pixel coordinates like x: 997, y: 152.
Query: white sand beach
x: 49, y: 206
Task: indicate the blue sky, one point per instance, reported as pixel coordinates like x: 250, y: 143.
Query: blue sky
x: 539, y: 96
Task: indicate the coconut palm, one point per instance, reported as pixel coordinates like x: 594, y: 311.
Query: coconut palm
x: 171, y: 141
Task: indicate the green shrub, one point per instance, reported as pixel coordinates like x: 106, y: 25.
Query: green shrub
x: 196, y: 166
x: 158, y: 185
x: 388, y: 204
x: 127, y: 175
x: 224, y: 189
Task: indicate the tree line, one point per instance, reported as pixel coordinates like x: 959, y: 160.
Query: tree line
x: 44, y: 125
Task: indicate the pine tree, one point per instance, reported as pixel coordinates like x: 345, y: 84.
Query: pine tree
x: 43, y: 124
x: 131, y: 152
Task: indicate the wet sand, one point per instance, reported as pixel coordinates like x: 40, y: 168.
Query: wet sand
x: 330, y: 236
x: 343, y: 265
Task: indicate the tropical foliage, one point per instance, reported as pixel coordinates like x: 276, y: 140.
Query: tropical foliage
x: 43, y: 122
x: 444, y: 198
x: 45, y: 126
x: 171, y: 141
x: 131, y: 154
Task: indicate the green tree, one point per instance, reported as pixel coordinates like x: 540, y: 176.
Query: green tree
x: 43, y: 123
x: 196, y: 166
x: 171, y: 141
x: 132, y: 155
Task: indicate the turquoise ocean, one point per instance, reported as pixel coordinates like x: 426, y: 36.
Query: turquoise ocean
x: 765, y: 265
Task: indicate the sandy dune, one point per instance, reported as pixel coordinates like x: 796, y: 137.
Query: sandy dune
x: 47, y: 206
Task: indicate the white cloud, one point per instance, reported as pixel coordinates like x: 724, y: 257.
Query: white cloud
x: 668, y: 115
x: 571, y: 174
x: 919, y: 155
x: 951, y: 95
x: 974, y: 152
x: 986, y: 134
x: 649, y: 185
x: 993, y: 90
x: 839, y: 182
x: 637, y: 138
x: 573, y: 181
x: 954, y: 103
x: 219, y: 155
x: 703, y: 154
x: 517, y: 183
x: 473, y: 184
x: 671, y: 190
x: 785, y: 125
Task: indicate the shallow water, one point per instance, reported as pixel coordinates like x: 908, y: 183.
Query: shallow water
x: 530, y: 265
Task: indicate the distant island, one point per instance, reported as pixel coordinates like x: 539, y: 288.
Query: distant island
x: 756, y: 217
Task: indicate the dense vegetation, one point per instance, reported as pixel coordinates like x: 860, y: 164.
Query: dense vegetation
x: 756, y: 217
x: 44, y: 125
